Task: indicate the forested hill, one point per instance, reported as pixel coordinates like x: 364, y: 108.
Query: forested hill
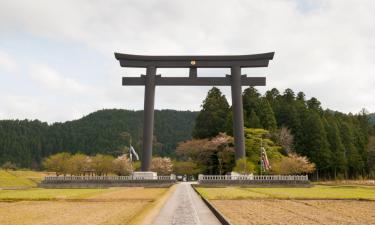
x: 26, y: 142
x: 372, y: 118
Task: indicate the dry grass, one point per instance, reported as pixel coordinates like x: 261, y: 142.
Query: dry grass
x: 62, y: 212
x: 321, y: 204
x: 41, y: 194
x: 21, y: 178
x: 133, y: 193
x: 348, y: 182
x: 80, y: 206
x: 316, y: 192
x: 271, y: 211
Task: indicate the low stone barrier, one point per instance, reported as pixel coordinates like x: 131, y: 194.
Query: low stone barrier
x: 254, y: 180
x: 104, y: 181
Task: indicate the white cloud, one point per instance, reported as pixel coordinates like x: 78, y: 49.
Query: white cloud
x: 324, y: 48
x: 7, y: 63
x: 49, y: 78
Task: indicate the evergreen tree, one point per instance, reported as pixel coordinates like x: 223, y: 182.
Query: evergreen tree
x: 314, y: 104
x: 272, y: 95
x: 211, y: 120
x: 266, y: 115
x: 338, y: 162
x: 252, y: 101
x: 315, y: 144
x: 253, y: 121
x: 355, y: 162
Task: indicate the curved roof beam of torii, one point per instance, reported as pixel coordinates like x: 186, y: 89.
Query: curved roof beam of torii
x: 206, y: 61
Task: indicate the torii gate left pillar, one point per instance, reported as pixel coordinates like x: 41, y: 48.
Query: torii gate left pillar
x: 235, y: 80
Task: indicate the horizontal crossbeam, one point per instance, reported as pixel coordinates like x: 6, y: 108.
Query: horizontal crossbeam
x: 198, y: 81
x: 214, y: 61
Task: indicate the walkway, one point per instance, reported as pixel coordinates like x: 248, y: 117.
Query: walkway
x: 185, y: 207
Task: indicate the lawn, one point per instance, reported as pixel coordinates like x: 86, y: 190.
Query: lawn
x: 20, y: 178
x: 316, y: 192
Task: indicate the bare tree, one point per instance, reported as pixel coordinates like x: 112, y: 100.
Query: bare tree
x: 286, y: 139
x: 122, y: 165
x: 162, y: 165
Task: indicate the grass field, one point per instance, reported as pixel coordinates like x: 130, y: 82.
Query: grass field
x: 321, y: 204
x: 293, y: 212
x: 76, y: 206
x: 356, y: 192
x: 39, y: 194
x: 20, y: 178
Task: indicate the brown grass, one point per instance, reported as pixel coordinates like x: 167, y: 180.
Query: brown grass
x: 116, y: 206
x: 271, y: 211
x: 132, y: 193
x: 58, y: 213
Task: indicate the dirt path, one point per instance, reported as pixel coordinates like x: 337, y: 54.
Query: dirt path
x: 185, y: 207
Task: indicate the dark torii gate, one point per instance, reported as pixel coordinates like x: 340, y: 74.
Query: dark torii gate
x: 235, y: 80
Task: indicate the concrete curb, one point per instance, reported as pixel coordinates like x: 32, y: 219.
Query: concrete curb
x: 223, y: 220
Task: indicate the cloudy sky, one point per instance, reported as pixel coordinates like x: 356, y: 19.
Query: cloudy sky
x: 57, y: 62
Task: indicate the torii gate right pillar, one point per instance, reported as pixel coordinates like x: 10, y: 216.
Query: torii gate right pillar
x: 238, y: 123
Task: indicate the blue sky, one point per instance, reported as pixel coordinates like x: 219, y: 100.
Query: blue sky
x: 57, y: 63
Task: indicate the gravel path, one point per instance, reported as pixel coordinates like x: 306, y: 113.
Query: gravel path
x: 185, y: 207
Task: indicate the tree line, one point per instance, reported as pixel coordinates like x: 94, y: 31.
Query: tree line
x: 25, y: 143
x: 338, y: 144
x: 79, y: 164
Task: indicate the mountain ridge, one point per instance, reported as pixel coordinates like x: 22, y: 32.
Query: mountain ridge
x: 97, y: 132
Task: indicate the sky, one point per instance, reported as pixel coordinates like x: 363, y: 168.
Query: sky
x: 57, y: 57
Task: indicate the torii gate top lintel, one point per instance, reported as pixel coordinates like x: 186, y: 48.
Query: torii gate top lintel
x: 199, y: 61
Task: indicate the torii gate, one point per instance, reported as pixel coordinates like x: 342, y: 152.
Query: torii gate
x: 235, y: 80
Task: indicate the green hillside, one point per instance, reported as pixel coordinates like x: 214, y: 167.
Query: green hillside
x: 27, y: 142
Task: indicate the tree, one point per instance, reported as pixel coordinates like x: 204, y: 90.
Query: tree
x: 253, y: 121
x: 102, y: 164
x: 315, y: 145
x: 9, y: 166
x: 254, y: 140
x: 272, y: 95
x: 286, y: 139
x: 243, y: 166
x: 314, y: 104
x: 371, y: 156
x: 213, y: 156
x: 58, y: 163
x: 293, y: 164
x: 77, y: 164
x: 211, y: 119
x: 338, y: 162
x: 122, y: 165
x: 354, y: 159
x: 162, y: 165
x: 266, y: 115
x: 251, y: 103
x: 186, y: 167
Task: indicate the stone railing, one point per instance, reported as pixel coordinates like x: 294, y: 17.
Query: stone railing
x: 253, y: 180
x: 104, y: 178
x: 252, y: 177
x: 106, y: 181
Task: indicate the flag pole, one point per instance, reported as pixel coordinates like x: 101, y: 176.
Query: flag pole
x: 130, y: 155
x: 261, y: 158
